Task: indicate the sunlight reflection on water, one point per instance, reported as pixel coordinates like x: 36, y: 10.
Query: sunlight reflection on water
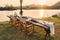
x: 41, y: 13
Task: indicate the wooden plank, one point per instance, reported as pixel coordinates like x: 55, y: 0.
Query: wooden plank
x: 37, y: 24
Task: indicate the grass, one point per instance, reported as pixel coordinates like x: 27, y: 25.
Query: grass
x: 8, y: 32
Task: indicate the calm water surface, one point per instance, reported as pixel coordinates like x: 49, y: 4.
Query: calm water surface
x: 30, y: 13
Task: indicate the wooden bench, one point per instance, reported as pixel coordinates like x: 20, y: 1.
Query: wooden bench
x: 21, y: 24
x: 25, y: 25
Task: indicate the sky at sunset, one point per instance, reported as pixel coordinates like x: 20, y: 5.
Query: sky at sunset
x: 26, y: 2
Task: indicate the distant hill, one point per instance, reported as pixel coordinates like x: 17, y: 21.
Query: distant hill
x: 8, y: 8
x: 33, y: 6
x: 56, y: 6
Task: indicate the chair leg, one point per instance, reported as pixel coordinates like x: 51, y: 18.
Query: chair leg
x: 45, y: 38
x: 47, y: 34
x: 25, y: 29
x: 21, y: 27
x: 33, y: 28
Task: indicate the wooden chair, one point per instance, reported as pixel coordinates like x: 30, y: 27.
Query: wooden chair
x: 14, y: 22
x: 26, y: 26
x: 21, y: 24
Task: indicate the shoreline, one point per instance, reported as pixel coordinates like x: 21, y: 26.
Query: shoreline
x: 4, y: 22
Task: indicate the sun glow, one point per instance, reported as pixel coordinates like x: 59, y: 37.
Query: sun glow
x: 42, y: 2
x: 41, y: 12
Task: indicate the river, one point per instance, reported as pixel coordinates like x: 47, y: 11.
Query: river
x: 31, y: 13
